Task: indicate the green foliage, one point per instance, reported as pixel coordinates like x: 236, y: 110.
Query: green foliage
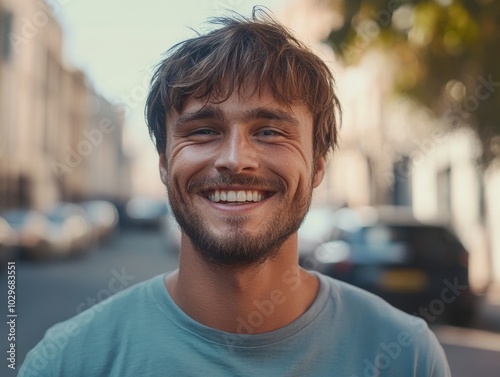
x: 448, y: 54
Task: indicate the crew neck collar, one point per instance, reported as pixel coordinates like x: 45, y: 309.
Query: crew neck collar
x: 175, y: 314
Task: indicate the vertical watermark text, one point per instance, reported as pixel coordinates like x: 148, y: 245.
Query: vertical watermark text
x: 11, y: 315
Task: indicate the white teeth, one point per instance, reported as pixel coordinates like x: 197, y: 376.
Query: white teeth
x: 231, y: 196
x: 235, y: 196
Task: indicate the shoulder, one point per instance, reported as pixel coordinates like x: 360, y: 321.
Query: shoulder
x: 364, y: 307
x: 90, y: 333
x: 386, y: 335
x: 123, y: 305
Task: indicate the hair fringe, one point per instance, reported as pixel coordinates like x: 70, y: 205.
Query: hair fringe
x: 256, y: 53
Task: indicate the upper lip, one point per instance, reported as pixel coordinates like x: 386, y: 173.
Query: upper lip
x: 235, y: 188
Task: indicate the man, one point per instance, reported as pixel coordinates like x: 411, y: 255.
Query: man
x: 243, y: 118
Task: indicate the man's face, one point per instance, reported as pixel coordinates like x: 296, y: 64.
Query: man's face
x: 239, y: 175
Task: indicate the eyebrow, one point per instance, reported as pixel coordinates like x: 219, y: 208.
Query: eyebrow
x: 270, y: 114
x: 206, y: 112
x: 215, y: 113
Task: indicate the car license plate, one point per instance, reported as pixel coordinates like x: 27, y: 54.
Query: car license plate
x: 403, y: 280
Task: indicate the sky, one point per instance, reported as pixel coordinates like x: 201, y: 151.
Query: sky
x: 117, y: 43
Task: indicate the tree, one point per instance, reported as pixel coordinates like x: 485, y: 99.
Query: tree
x: 448, y: 53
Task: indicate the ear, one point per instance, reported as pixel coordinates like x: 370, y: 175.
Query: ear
x: 319, y: 171
x: 163, y: 168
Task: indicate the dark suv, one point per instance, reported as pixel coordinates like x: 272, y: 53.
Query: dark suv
x: 418, y: 267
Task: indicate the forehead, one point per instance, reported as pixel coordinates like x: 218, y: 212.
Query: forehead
x: 243, y: 105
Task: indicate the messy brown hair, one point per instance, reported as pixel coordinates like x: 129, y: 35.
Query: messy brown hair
x: 255, y: 52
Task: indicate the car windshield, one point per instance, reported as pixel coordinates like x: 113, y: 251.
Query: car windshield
x: 16, y: 219
x: 55, y: 216
x: 426, y: 244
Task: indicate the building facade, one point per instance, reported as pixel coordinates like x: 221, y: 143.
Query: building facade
x: 59, y: 139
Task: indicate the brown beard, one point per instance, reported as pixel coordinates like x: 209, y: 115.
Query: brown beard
x: 237, y: 248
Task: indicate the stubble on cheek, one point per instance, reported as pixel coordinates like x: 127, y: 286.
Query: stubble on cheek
x: 237, y: 246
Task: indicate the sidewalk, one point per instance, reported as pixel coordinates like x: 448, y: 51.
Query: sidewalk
x: 488, y: 317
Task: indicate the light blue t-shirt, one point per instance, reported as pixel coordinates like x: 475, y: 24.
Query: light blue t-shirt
x: 347, y: 332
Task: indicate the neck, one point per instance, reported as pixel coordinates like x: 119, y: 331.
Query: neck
x: 253, y: 299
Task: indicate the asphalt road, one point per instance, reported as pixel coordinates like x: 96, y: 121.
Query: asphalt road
x: 49, y: 292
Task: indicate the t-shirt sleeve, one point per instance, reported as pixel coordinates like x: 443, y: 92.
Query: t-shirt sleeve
x: 428, y: 353
x: 51, y: 356
x: 437, y: 364
x: 39, y: 361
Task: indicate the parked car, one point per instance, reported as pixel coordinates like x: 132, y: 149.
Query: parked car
x: 31, y: 230
x: 146, y: 212
x: 421, y: 268
x: 103, y: 218
x: 70, y: 231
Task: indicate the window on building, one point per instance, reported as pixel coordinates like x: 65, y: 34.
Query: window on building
x: 401, y: 189
x: 444, y: 193
x: 5, y: 30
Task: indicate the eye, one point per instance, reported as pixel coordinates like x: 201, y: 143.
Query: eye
x: 269, y: 133
x: 202, y: 135
x: 204, y: 131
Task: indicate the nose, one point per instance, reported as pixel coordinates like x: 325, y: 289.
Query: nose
x: 237, y: 154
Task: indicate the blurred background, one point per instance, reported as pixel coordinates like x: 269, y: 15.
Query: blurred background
x: 409, y: 208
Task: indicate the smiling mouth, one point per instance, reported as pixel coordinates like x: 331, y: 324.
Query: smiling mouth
x: 237, y: 196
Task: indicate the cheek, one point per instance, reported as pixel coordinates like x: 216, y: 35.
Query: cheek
x: 187, y: 161
x: 293, y: 170
x: 294, y: 162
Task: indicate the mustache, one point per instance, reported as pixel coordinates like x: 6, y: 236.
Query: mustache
x: 264, y: 184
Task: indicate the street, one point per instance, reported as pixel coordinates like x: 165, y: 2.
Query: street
x: 52, y: 291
